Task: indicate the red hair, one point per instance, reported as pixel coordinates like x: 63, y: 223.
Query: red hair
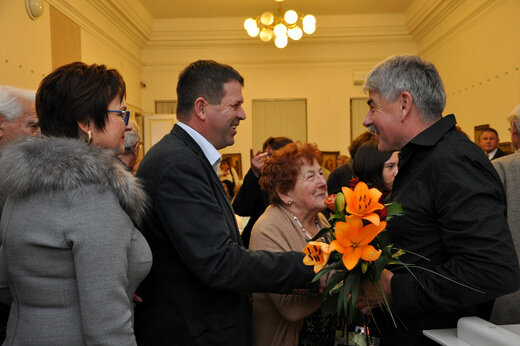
x: 282, y: 169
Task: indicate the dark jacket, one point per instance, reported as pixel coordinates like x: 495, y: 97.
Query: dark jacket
x: 455, y: 216
x: 498, y: 154
x: 251, y: 201
x: 197, y: 292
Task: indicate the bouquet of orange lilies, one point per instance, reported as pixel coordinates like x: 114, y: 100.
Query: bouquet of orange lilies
x: 359, y: 250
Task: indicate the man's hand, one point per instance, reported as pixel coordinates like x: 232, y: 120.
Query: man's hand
x: 257, y: 161
x: 325, y: 279
x: 369, y: 293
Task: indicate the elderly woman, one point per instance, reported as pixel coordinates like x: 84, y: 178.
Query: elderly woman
x: 71, y: 257
x: 294, y: 182
x: 376, y: 168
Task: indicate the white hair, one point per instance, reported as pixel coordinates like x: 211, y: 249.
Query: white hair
x: 14, y: 101
x: 514, y: 116
x: 132, y: 137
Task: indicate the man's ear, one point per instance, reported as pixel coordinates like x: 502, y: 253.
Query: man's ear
x: 199, y: 107
x: 2, y: 120
x: 136, y: 149
x: 406, y: 103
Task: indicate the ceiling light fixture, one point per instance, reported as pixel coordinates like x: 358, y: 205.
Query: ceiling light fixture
x: 291, y: 24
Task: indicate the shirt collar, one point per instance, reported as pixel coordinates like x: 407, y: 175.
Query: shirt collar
x: 492, y: 153
x: 435, y: 132
x: 212, y: 154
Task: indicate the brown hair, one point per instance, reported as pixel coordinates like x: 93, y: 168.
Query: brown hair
x: 359, y: 141
x: 74, y: 93
x: 282, y: 169
x: 204, y: 78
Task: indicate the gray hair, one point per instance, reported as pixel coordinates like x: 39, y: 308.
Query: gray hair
x: 514, y: 116
x: 409, y: 73
x: 14, y: 101
x: 132, y: 137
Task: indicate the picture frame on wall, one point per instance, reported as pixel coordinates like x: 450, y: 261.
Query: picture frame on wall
x: 506, y: 147
x: 236, y: 162
x: 329, y: 159
x: 478, y: 132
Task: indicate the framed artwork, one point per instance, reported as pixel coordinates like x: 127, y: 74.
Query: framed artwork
x: 506, y: 147
x: 478, y: 131
x: 329, y: 159
x: 236, y: 162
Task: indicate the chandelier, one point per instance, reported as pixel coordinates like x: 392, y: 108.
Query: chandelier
x: 282, y: 26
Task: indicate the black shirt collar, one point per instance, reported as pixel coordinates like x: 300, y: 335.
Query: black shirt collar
x: 435, y: 132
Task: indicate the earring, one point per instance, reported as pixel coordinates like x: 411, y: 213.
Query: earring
x: 289, y: 202
x: 89, y: 139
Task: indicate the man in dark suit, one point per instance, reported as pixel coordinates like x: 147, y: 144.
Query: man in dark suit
x: 197, y: 292
x: 489, y: 143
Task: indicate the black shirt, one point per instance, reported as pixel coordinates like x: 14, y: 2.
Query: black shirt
x: 455, y: 216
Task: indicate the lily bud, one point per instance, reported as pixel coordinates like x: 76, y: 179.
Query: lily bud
x: 339, y: 204
x: 364, y: 267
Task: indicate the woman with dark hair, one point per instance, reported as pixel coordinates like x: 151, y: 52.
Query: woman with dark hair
x: 376, y: 168
x: 293, y: 179
x: 71, y: 257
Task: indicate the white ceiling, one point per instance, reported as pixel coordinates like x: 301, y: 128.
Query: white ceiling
x: 251, y: 8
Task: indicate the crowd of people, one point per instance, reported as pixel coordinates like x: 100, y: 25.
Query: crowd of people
x: 92, y: 254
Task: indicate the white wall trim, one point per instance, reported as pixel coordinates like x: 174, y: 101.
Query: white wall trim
x: 133, y: 23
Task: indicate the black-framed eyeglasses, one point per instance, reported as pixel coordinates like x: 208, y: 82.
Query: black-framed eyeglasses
x: 125, y: 115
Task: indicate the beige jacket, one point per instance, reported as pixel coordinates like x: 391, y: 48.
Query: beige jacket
x: 278, y: 318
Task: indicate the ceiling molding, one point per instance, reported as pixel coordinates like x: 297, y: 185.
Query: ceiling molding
x: 225, y: 36
x: 423, y: 16
x: 423, y: 20
x: 130, y: 16
x: 131, y: 22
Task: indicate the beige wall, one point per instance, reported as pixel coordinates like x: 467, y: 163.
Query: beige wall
x: 111, y: 33
x: 319, y: 68
x: 479, y: 60
x: 25, y: 53
x: 472, y: 42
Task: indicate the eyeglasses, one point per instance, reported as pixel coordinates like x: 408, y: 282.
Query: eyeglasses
x: 125, y: 115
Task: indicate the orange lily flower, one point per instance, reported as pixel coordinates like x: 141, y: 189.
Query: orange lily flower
x: 352, y: 240
x: 362, y: 202
x: 316, y: 254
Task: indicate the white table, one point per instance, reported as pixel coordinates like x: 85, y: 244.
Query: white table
x: 473, y: 331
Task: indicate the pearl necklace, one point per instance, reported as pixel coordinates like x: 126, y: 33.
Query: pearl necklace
x: 306, y: 234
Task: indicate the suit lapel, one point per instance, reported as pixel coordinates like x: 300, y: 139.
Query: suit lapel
x: 190, y: 142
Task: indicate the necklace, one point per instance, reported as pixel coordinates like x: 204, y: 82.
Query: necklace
x: 306, y: 234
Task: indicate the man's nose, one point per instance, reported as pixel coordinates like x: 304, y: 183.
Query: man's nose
x: 368, y: 120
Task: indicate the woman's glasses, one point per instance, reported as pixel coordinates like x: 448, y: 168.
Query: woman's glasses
x: 125, y: 115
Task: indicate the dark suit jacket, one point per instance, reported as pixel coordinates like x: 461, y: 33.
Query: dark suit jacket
x: 251, y: 201
x: 498, y: 154
x: 197, y: 290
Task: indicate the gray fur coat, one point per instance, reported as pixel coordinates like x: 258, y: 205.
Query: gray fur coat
x: 55, y: 164
x: 71, y: 257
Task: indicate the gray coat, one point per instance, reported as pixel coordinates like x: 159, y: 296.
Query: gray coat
x: 71, y: 257
x: 507, y: 308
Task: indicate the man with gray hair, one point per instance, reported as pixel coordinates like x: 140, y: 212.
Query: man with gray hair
x: 17, y: 114
x: 132, y: 145
x: 17, y: 119
x: 506, y: 309
x: 454, y: 209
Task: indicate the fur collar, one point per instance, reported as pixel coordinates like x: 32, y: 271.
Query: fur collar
x: 49, y: 164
